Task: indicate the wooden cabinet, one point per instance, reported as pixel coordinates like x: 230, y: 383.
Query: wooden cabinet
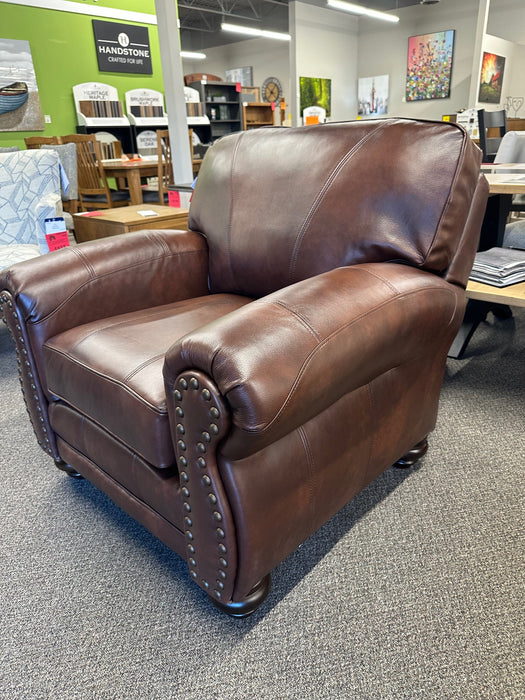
x: 257, y: 114
x: 222, y: 103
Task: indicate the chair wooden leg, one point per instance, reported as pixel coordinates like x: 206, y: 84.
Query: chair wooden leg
x: 249, y: 604
x: 412, y: 456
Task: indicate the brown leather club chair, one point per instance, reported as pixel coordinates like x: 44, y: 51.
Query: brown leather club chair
x: 233, y: 386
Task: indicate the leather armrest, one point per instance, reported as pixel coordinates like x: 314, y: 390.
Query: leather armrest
x: 106, y: 277
x: 55, y: 292
x: 286, y: 357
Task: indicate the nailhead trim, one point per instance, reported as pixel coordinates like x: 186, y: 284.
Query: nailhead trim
x: 22, y: 351
x: 184, y: 385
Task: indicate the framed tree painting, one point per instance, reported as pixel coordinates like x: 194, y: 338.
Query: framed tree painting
x: 315, y: 92
x: 491, y: 78
x: 429, y: 66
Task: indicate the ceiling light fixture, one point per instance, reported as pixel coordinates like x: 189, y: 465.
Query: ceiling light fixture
x: 360, y: 10
x: 251, y: 31
x: 192, y: 54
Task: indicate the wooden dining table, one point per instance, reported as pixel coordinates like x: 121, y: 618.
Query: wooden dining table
x: 132, y: 171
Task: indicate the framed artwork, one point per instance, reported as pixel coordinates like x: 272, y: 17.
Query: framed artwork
x: 251, y: 93
x: 243, y: 75
x: 372, y: 95
x: 19, y: 100
x: 315, y: 92
x: 491, y: 78
x: 429, y: 66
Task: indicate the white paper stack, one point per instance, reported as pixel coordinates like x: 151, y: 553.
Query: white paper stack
x: 499, y: 267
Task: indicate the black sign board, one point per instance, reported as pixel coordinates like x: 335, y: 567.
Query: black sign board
x: 122, y: 48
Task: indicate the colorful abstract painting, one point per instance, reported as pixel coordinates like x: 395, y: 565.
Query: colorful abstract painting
x: 429, y: 66
x: 491, y: 78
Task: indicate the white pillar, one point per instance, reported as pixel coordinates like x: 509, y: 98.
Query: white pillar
x: 481, y: 30
x: 169, y: 41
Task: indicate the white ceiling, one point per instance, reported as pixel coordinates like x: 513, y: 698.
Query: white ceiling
x: 201, y: 19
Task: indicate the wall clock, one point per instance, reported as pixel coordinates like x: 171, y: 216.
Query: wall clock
x: 271, y: 90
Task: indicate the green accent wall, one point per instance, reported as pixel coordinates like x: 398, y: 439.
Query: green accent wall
x: 63, y: 50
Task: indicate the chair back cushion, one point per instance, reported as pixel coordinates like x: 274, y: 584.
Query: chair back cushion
x: 511, y: 148
x: 29, y: 193
x: 67, y: 153
x: 278, y: 205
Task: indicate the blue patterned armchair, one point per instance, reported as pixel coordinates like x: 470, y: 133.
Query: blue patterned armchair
x: 29, y: 193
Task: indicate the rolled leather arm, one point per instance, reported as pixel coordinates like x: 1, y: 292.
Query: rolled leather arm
x: 106, y: 277
x: 52, y: 293
x: 286, y: 357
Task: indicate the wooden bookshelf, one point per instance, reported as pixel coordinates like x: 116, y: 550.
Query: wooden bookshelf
x: 257, y: 114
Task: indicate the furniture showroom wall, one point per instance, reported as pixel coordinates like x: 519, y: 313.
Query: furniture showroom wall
x: 383, y: 49
x: 63, y: 51
x: 266, y: 57
x: 324, y: 45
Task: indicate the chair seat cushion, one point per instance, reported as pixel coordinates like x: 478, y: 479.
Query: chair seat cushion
x: 17, y: 252
x: 116, y: 196
x: 111, y: 370
x: 153, y: 196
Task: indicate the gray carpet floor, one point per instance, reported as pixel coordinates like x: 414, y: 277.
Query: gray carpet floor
x: 414, y: 590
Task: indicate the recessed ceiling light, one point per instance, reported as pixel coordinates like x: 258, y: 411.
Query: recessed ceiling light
x: 360, y: 10
x: 251, y: 31
x: 193, y: 54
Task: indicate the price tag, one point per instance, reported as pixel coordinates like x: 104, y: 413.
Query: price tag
x: 173, y: 198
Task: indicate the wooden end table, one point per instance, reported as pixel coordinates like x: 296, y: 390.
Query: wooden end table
x: 112, y: 222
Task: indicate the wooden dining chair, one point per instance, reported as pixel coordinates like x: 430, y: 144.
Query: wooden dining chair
x: 37, y: 141
x: 93, y: 189
x: 164, y: 171
x: 491, y: 120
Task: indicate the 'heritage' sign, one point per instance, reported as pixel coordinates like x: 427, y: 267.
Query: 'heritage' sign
x: 122, y: 48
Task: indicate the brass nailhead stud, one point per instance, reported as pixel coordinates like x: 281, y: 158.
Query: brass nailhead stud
x: 201, y: 462
x: 184, y: 476
x: 192, y: 561
x: 188, y: 521
x: 179, y: 412
x: 193, y: 574
x: 222, y: 573
x: 222, y: 548
x: 187, y: 507
x: 181, y: 444
x: 214, y: 412
x: 185, y: 492
x: 205, y: 584
x: 194, y: 383
x: 220, y: 584
x: 206, y: 436
x: 218, y: 594
x: 191, y: 549
x: 183, y: 461
x: 223, y: 563
x: 206, y: 394
x: 220, y: 532
x: 189, y: 534
x: 214, y: 430
x: 201, y: 447
x: 206, y: 480
x: 177, y: 395
x: 212, y: 498
x: 180, y: 428
x: 217, y: 516
x: 183, y: 384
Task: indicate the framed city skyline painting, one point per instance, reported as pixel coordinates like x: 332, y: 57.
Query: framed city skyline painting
x: 429, y: 66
